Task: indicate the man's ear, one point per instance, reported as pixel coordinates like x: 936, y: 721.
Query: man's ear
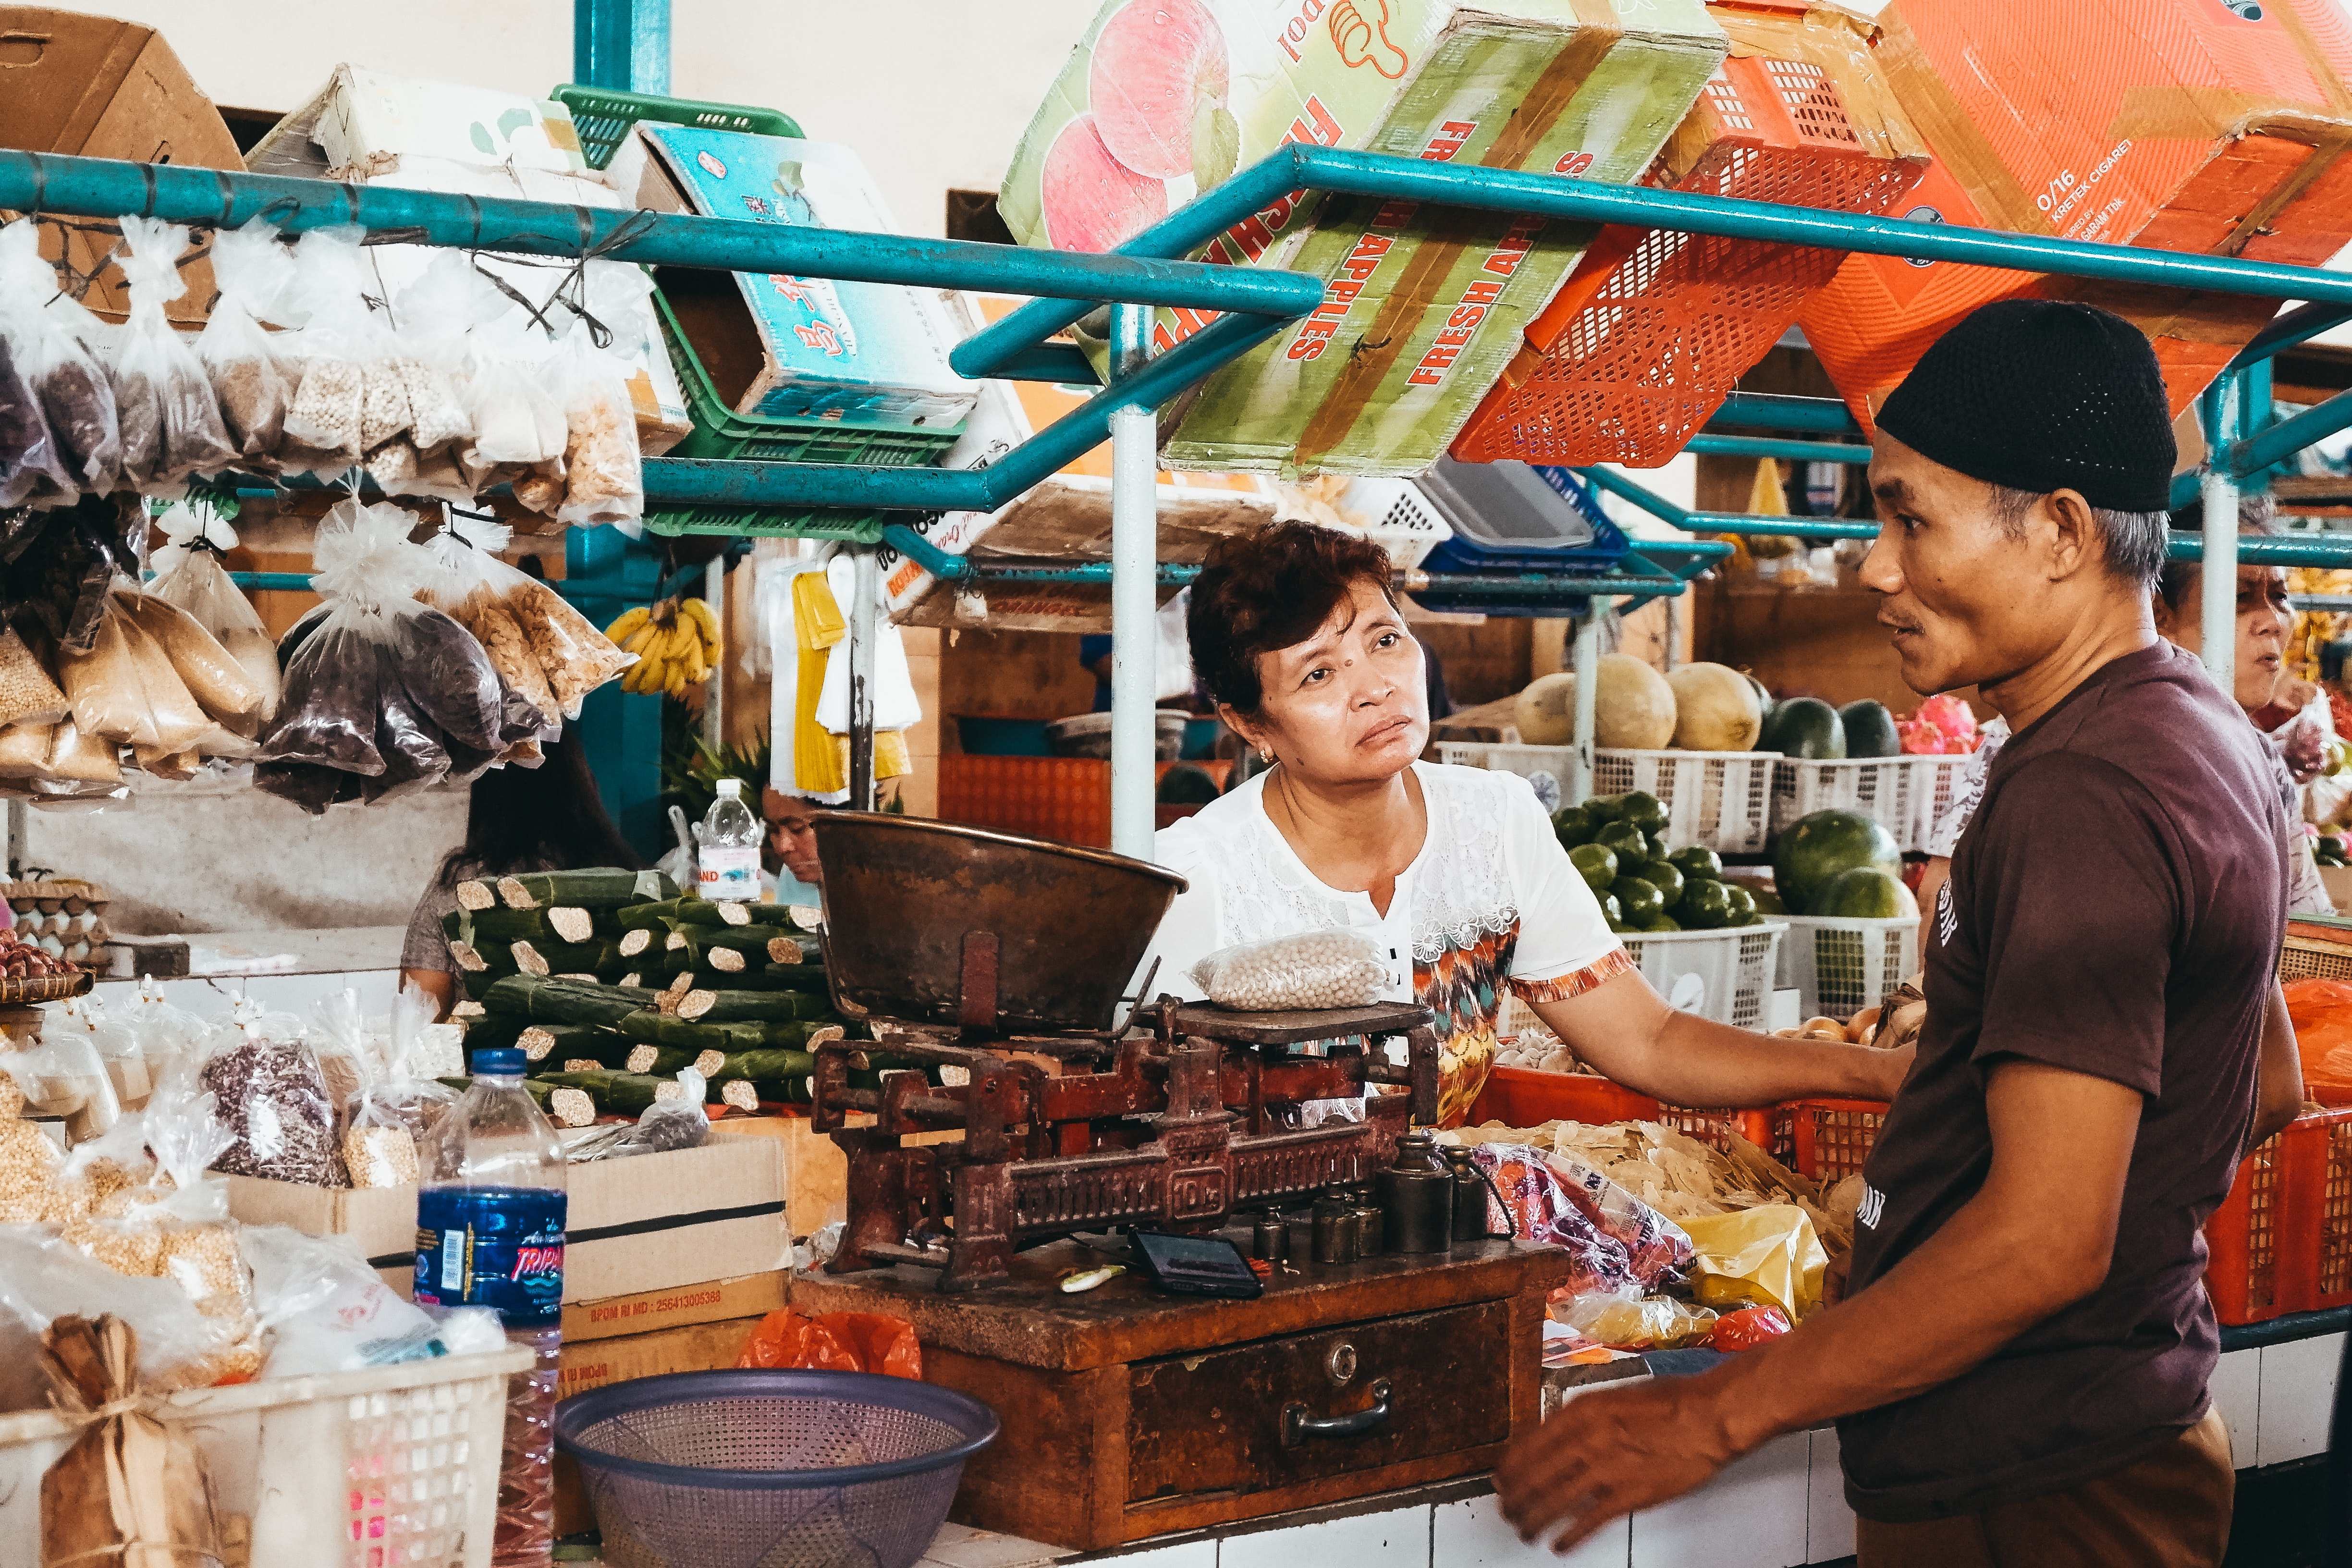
x: 2073, y: 541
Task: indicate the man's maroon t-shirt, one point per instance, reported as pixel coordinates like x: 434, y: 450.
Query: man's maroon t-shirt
x: 2114, y: 908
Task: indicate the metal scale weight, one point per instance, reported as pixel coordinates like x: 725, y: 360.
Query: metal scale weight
x: 971, y: 950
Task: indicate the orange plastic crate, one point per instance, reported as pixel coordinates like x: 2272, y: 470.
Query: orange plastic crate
x: 1529, y: 1096
x: 1655, y: 326
x: 2282, y: 1241
x: 1826, y: 1140
x: 1062, y: 798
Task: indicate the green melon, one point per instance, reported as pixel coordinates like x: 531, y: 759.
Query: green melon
x: 1869, y: 729
x: 1817, y: 847
x: 1804, y: 727
x: 1866, y: 892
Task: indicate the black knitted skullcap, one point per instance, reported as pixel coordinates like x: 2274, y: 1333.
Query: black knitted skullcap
x: 2042, y: 395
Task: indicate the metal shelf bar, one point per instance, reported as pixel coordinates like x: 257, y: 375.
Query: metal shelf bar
x: 1778, y: 411
x: 2285, y: 439
x: 107, y: 187
x: 1767, y: 446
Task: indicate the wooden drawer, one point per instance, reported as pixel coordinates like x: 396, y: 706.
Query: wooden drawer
x: 1218, y: 1423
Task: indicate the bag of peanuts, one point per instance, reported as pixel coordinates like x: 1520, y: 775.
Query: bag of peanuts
x: 1309, y: 970
x: 387, y: 1123
x: 252, y: 382
x: 602, y: 481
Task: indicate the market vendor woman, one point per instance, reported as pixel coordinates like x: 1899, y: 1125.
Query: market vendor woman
x: 1453, y: 874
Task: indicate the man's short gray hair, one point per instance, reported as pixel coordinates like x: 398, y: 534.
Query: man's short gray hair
x: 2135, y: 540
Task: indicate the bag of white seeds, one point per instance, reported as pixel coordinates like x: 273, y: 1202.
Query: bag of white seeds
x: 1310, y: 970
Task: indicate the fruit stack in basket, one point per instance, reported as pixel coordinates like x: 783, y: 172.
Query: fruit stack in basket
x: 1617, y: 844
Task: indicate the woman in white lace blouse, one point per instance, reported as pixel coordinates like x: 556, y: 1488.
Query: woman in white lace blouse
x: 1454, y: 873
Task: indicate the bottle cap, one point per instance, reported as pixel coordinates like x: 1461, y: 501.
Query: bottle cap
x: 730, y: 787
x: 499, y: 1059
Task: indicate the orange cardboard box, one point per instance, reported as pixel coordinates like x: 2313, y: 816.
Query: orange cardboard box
x: 2175, y: 125
x: 676, y: 1307
x: 1638, y: 349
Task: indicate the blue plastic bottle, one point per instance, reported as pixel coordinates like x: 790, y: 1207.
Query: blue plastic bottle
x: 490, y: 1233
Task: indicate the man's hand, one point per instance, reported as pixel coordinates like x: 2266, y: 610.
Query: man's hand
x: 1609, y: 1452
x: 1892, y: 1067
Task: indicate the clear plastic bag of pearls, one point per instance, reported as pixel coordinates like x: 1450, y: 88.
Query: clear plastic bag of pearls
x: 1310, y: 970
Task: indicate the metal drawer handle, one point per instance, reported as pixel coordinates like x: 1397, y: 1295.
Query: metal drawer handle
x: 1297, y: 1425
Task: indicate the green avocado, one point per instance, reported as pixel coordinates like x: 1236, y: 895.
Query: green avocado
x: 1630, y: 842
x: 1602, y: 808
x: 1743, y: 905
x: 1641, y: 901
x: 1804, y: 727
x: 1612, y: 911
x: 1574, y: 825
x: 1706, y: 905
x: 1768, y: 902
x: 1697, y: 863
x: 1869, y: 729
x: 1665, y: 876
x: 1596, y: 863
x: 1661, y: 923
x: 1641, y: 809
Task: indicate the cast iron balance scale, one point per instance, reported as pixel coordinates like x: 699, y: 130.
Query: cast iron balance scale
x: 1130, y: 1413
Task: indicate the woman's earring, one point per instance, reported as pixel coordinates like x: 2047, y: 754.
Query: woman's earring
x: 1265, y: 754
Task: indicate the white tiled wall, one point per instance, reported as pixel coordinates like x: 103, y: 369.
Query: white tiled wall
x: 1750, y: 1516
x: 1473, y: 1533
x: 1398, y: 1539
x: 2298, y: 1394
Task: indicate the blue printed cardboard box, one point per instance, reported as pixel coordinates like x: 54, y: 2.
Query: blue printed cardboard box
x: 776, y: 344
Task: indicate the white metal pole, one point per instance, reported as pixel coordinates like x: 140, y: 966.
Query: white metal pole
x: 1134, y: 596
x: 865, y: 586
x: 714, y: 691
x: 2218, y: 621
x: 1586, y: 661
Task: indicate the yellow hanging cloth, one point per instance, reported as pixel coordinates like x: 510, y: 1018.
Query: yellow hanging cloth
x: 891, y: 758
x: 818, y: 768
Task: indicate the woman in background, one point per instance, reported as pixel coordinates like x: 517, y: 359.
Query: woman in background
x: 547, y: 819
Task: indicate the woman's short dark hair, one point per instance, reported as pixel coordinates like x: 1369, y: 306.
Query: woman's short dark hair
x: 1268, y: 590
x: 2257, y: 515
x: 548, y: 817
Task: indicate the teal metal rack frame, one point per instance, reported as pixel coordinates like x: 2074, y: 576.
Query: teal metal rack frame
x: 1251, y: 305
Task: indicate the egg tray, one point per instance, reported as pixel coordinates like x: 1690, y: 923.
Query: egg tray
x: 1187, y: 1116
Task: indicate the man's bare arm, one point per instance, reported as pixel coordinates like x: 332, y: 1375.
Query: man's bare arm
x: 2278, y: 1088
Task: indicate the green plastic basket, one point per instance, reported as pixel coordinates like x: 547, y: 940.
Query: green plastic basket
x: 604, y: 115
x: 721, y: 432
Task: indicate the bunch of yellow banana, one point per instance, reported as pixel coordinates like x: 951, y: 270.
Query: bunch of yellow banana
x: 676, y: 645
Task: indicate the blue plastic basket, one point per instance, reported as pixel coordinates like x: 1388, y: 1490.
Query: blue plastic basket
x: 1607, y: 546
x: 759, y: 1469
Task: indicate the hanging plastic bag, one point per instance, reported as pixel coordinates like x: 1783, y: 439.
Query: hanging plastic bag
x: 433, y: 315
x: 327, y: 295
x: 30, y: 468
x: 171, y: 421
x: 250, y: 380
x: 519, y: 423
x: 75, y: 392
x: 217, y: 682
x: 190, y: 576
x: 603, y: 479
x: 461, y: 585
x: 1335, y: 968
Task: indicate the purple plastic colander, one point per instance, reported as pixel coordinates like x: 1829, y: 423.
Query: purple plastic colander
x: 759, y: 1468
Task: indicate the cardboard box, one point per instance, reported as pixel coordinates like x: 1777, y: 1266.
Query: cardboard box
x: 816, y: 1173
x: 97, y: 87
x: 2174, y: 124
x: 777, y: 345
x: 368, y: 127
x: 676, y: 1307
x: 649, y: 1222
x: 1421, y: 309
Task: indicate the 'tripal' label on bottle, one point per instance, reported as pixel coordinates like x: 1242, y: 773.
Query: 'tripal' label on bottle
x: 500, y: 1247
x: 728, y: 872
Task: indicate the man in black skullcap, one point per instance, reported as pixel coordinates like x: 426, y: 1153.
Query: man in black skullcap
x: 2018, y: 1370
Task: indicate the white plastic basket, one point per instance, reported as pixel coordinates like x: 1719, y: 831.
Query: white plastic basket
x: 1718, y: 800
x: 1398, y: 518
x: 1902, y: 795
x: 1734, y: 970
x: 393, y: 1467
x: 1840, y: 964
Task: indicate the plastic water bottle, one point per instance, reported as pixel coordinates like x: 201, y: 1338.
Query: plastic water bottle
x: 727, y: 860
x: 490, y: 1233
